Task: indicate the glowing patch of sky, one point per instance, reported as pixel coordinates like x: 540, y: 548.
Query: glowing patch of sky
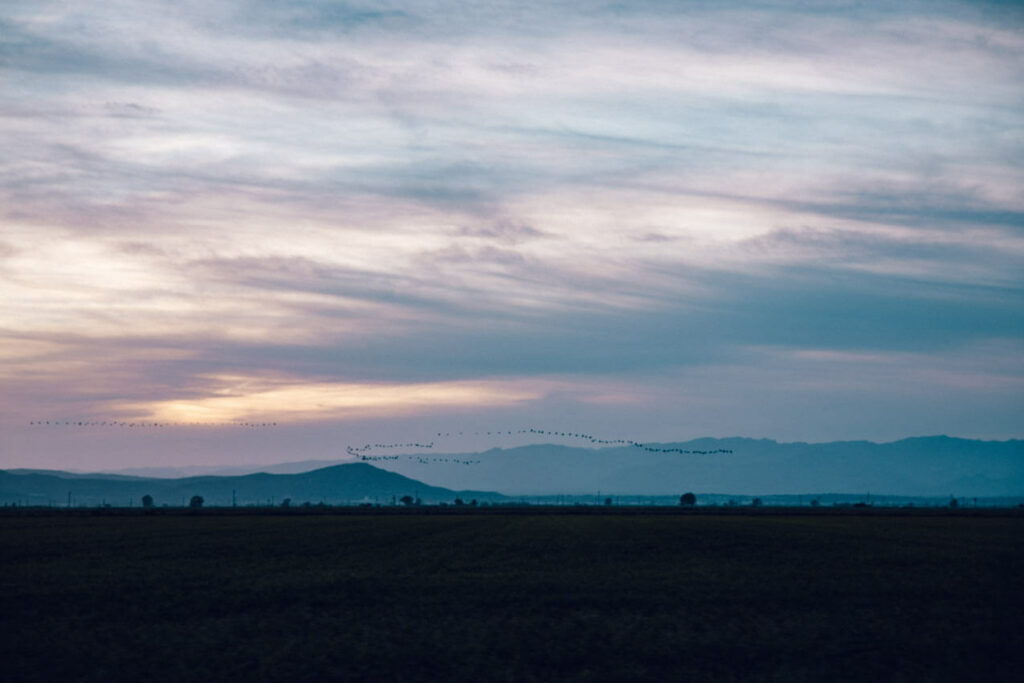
x: 407, y: 194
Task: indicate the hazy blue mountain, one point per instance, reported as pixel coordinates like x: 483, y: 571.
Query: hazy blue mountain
x: 179, y: 472
x: 925, y: 466
x: 936, y: 466
x: 349, y: 483
x: 65, y: 474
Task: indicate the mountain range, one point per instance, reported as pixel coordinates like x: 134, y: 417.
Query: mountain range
x: 350, y: 483
x: 925, y: 466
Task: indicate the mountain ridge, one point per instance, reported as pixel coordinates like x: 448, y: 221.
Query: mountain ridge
x: 339, y: 484
x: 294, y: 467
x: 916, y: 466
x: 928, y: 466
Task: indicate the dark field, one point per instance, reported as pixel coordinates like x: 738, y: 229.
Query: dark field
x: 511, y: 596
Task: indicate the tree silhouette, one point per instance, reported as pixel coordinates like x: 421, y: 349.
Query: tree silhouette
x: 147, y: 501
x: 406, y: 500
x: 196, y: 502
x: 688, y: 500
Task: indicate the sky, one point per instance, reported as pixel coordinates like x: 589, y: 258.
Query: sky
x: 372, y: 222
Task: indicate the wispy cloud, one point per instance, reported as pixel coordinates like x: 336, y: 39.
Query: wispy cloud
x: 249, y: 398
x: 426, y: 193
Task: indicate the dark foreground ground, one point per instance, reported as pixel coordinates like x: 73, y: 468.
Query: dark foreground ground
x: 511, y: 597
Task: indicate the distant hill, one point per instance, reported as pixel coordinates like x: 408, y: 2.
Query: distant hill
x: 182, y: 471
x: 924, y: 466
x: 935, y: 466
x: 64, y: 474
x: 340, y: 484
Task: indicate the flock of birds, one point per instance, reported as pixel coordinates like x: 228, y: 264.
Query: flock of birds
x: 364, y: 452
x: 362, y: 449
x: 421, y: 459
x: 361, y: 452
x: 370, y: 452
x: 594, y: 440
x: 140, y: 425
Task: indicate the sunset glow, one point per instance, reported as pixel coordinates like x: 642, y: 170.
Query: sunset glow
x: 662, y: 217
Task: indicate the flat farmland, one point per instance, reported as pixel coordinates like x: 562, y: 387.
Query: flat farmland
x: 502, y: 596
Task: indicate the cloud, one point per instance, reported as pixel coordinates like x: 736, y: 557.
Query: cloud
x: 355, y: 194
x: 254, y: 398
x: 939, y: 256
x: 504, y: 232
